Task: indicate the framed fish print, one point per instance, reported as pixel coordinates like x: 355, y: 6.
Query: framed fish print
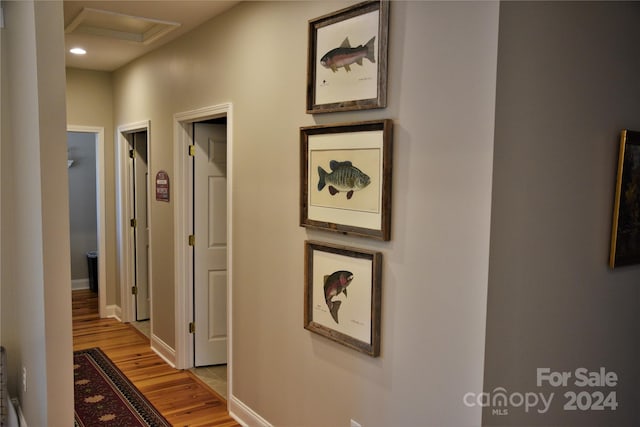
x: 347, y: 59
x: 342, y: 295
x: 625, y: 236
x: 345, y: 178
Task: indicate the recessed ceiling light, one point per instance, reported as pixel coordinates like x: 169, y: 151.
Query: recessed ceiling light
x: 78, y: 51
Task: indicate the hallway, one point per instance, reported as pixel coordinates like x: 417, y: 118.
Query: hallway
x: 180, y: 396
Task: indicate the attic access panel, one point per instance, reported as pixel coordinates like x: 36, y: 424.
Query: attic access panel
x: 119, y: 26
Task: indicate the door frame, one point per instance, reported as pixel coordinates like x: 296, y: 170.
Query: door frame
x: 183, y: 224
x: 123, y: 207
x: 101, y: 205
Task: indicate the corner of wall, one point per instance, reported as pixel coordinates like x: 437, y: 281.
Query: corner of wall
x: 244, y: 415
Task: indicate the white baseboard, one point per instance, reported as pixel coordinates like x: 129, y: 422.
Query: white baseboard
x: 163, y: 350
x: 245, y: 415
x: 80, y: 284
x: 21, y: 419
x: 17, y: 412
x: 114, y: 311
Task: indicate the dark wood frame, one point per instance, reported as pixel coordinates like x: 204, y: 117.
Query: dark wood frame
x: 380, y: 101
x: 372, y: 349
x: 386, y: 126
x: 625, y: 235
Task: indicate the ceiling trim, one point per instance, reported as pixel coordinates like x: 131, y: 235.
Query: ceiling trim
x: 120, y: 26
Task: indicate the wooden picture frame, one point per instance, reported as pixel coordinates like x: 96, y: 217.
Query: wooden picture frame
x: 347, y: 59
x: 625, y: 235
x: 345, y: 178
x: 353, y: 320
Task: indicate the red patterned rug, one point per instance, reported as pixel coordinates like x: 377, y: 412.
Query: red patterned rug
x: 105, y: 397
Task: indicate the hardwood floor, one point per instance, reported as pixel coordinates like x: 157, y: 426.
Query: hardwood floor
x: 180, y: 396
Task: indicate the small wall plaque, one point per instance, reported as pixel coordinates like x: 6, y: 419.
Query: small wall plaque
x: 162, y: 186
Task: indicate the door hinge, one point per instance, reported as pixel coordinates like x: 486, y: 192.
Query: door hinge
x: 134, y: 290
x: 192, y: 150
x: 131, y: 153
x: 192, y: 240
x: 192, y: 327
x: 133, y: 222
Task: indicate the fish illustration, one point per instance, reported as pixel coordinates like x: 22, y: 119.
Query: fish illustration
x: 345, y: 55
x: 333, y: 286
x: 343, y: 177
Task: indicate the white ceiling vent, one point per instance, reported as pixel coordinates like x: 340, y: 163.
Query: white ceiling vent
x: 119, y: 26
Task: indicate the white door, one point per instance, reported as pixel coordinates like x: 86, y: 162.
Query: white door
x: 210, y: 249
x: 141, y: 224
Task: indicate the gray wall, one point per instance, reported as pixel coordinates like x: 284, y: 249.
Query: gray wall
x: 567, y: 84
x: 81, y: 149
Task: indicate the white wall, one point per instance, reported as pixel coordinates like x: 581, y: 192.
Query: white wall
x: 441, y: 97
x: 36, y: 298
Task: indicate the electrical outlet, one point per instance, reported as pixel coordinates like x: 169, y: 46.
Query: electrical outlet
x: 355, y: 424
x: 24, y: 379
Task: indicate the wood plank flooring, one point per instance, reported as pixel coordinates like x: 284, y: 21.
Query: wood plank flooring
x: 182, y: 398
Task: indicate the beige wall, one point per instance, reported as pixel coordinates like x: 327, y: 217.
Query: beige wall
x: 36, y: 297
x: 441, y: 98
x: 90, y: 103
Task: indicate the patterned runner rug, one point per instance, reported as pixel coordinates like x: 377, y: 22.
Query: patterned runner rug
x: 105, y: 397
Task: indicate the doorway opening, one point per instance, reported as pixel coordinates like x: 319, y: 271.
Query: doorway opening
x: 138, y: 171
x: 209, y: 165
x: 86, y: 154
x: 203, y: 242
x: 134, y: 232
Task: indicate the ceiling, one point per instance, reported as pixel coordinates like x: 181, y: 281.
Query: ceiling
x: 116, y: 32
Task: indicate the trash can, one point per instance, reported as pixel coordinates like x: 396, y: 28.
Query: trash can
x: 92, y: 260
